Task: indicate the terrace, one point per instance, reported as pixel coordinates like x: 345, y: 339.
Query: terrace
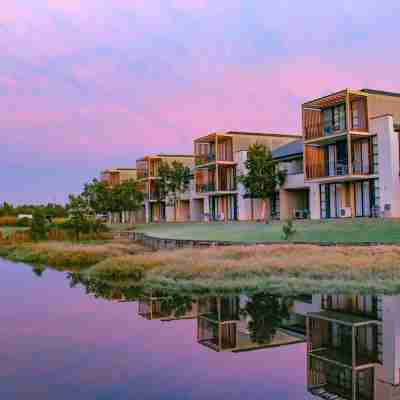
x: 214, y: 148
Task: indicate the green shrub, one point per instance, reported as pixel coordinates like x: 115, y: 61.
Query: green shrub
x: 288, y: 229
x: 39, y: 226
x: 23, y: 222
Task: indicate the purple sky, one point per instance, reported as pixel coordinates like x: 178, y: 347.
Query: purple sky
x: 90, y: 84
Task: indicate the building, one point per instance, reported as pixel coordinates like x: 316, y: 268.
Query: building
x: 116, y: 176
x: 293, y: 198
x: 219, y: 160
x: 351, y: 154
x: 156, y: 207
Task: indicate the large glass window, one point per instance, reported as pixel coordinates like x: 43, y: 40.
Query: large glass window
x: 334, y: 119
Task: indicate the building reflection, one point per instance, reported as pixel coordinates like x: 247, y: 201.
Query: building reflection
x: 159, y: 305
x: 353, y: 344
x: 243, y: 323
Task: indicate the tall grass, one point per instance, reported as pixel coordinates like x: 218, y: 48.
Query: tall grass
x: 302, y: 268
x: 67, y: 254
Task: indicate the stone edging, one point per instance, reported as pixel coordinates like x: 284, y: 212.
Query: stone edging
x: 157, y: 243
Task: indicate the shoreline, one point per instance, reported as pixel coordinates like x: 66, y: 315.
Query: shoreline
x: 287, y: 268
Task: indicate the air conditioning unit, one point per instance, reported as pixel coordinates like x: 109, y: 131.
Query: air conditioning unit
x: 345, y: 212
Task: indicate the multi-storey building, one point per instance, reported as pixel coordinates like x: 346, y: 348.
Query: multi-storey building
x: 220, y: 158
x: 116, y: 176
x: 351, y: 154
x: 156, y: 207
x: 293, y: 198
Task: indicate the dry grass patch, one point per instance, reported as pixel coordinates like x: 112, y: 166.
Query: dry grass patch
x: 305, y: 266
x: 68, y: 254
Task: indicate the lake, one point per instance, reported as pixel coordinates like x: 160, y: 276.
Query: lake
x: 61, y: 338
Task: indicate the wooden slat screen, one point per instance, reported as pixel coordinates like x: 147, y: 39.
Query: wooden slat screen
x: 314, y: 162
x: 312, y: 124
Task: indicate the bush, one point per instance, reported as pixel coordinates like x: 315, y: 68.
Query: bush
x: 39, y: 226
x: 288, y: 229
x: 24, y: 222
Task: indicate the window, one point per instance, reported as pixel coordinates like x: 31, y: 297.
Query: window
x: 334, y: 119
x: 356, y: 118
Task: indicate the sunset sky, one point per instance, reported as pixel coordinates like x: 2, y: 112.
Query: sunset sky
x: 90, y: 84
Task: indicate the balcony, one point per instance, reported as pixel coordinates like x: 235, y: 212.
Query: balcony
x: 335, y: 115
x: 202, y: 159
x: 205, y: 188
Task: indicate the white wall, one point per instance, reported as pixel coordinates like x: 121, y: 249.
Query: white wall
x: 388, y: 150
x: 391, y: 339
x: 315, y: 205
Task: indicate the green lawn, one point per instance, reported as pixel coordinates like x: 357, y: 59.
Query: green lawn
x: 354, y: 231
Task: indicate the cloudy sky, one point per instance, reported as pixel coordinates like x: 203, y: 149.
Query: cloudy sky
x: 88, y: 84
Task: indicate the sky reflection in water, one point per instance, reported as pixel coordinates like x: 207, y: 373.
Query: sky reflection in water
x: 60, y: 342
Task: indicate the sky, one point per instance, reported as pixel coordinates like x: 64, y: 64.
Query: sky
x: 91, y: 84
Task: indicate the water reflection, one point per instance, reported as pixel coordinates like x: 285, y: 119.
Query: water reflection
x: 353, y: 342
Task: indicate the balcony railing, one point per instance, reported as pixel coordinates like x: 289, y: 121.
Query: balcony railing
x: 205, y: 188
x: 205, y: 158
x: 361, y: 168
x: 319, y: 130
x: 327, y: 169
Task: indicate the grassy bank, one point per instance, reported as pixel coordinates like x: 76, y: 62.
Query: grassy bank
x: 277, y: 268
x: 339, y: 231
x: 67, y: 254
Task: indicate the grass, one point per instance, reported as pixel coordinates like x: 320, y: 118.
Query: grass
x: 284, y: 269
x: 339, y: 231
x: 67, y: 254
x: 9, y: 229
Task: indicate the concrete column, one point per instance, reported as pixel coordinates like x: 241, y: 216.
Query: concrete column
x: 388, y: 160
x: 147, y: 211
x: 315, y: 202
x: 284, y: 204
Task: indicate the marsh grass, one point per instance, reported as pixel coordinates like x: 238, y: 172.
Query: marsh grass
x: 287, y: 268
x: 67, y: 254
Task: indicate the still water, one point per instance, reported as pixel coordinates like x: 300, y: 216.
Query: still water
x: 66, y: 339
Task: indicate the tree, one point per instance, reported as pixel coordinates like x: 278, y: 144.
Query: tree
x: 267, y: 313
x: 98, y: 196
x: 79, y: 212
x: 178, y: 183
x: 39, y: 225
x: 162, y: 182
x: 262, y: 177
x: 126, y: 197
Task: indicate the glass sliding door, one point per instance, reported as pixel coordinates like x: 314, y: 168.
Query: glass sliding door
x: 363, y: 195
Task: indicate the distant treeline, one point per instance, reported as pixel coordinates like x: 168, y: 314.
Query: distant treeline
x: 49, y: 209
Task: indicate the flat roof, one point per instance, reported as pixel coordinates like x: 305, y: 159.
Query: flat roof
x: 240, y: 133
x: 288, y: 150
x: 380, y: 92
x: 342, y: 93
x: 161, y: 155
x: 119, y: 169
x: 343, y: 318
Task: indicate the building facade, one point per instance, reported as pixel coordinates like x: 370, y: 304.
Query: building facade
x: 157, y: 208
x: 219, y: 160
x: 116, y: 176
x: 351, y: 154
